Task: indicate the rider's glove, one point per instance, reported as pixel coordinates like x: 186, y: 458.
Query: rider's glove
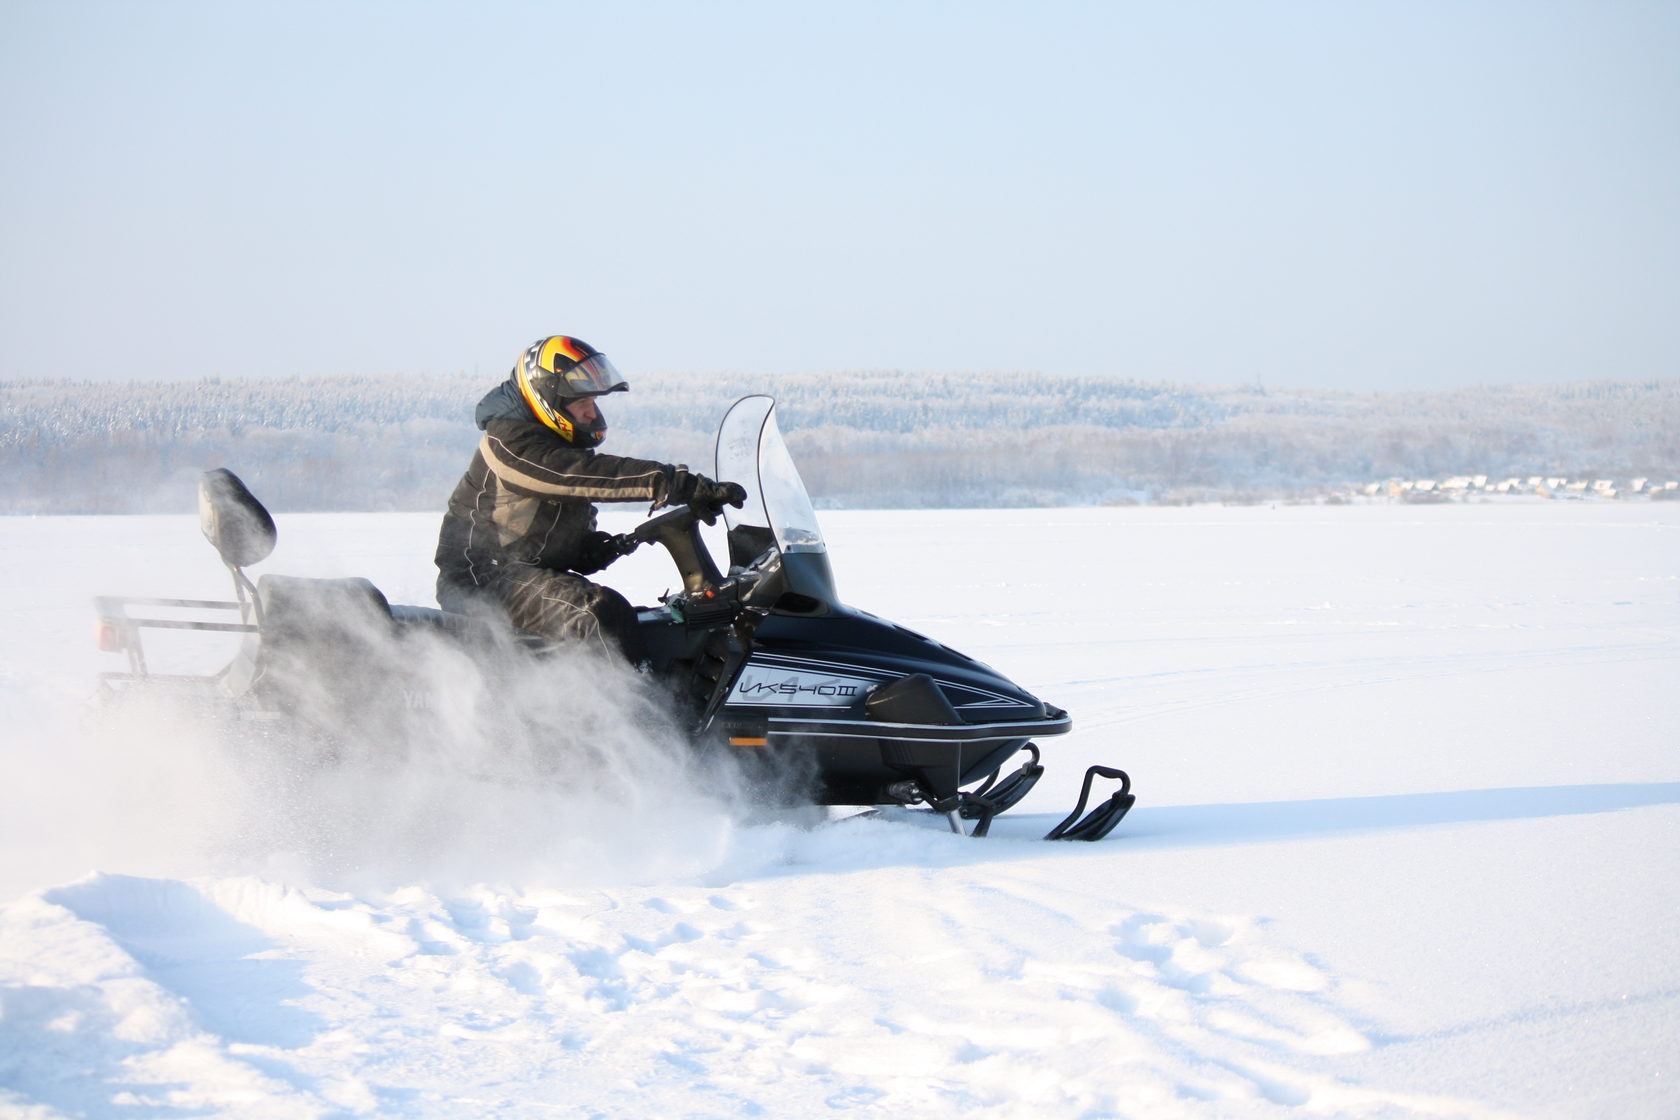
x: 703, y: 496
x: 713, y: 496
x: 598, y: 550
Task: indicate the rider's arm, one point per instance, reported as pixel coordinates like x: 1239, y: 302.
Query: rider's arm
x: 526, y: 458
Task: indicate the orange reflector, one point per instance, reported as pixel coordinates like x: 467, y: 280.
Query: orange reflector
x: 740, y: 742
x: 107, y: 636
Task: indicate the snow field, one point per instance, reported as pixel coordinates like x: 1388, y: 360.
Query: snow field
x: 1408, y: 825
x: 517, y: 1003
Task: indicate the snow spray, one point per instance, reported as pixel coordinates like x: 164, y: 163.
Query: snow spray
x: 467, y: 765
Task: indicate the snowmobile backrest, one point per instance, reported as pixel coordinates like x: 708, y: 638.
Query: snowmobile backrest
x: 234, y: 522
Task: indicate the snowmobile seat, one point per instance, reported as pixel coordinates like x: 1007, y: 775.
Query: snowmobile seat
x: 325, y: 631
x: 420, y: 616
x: 322, y: 634
x: 323, y: 609
x: 449, y: 623
x: 482, y: 632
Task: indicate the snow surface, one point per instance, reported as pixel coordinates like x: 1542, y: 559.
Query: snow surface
x: 1407, y: 844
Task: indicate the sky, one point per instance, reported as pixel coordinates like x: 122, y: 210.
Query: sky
x: 1363, y: 196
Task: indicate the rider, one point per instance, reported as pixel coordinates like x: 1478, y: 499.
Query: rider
x: 520, y: 529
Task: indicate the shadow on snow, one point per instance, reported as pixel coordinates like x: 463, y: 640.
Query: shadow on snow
x: 1174, y: 826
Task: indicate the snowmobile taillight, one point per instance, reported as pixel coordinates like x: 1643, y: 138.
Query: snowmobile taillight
x: 108, y: 636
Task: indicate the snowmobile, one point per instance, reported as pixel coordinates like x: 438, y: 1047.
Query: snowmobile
x: 768, y: 659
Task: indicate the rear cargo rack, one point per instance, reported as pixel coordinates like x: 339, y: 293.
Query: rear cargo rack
x: 118, y: 631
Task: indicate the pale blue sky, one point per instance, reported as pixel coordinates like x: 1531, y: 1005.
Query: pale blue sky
x: 1355, y: 195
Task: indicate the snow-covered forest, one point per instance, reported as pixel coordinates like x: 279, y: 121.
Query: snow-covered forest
x: 878, y: 439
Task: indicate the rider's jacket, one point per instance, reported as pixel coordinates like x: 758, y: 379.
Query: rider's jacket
x: 528, y: 496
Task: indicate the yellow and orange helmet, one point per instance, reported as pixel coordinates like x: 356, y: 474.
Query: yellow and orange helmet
x: 559, y: 369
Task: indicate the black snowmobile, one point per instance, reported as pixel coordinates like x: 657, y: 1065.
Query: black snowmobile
x: 772, y: 663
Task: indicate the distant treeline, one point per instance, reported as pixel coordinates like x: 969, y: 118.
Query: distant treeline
x: 867, y: 440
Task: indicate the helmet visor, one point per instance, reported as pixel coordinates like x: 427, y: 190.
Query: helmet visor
x: 591, y: 377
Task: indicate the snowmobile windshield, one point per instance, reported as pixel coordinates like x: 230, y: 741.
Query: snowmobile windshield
x: 750, y: 451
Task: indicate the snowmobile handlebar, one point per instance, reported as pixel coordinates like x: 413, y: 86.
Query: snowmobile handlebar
x: 678, y: 530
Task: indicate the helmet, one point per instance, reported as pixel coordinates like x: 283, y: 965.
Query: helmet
x: 559, y: 369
